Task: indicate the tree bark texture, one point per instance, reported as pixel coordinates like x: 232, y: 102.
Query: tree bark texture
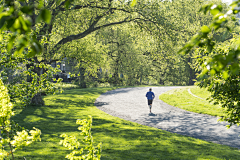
x: 37, y: 100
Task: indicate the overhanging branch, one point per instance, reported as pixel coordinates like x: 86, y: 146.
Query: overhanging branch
x: 85, y: 33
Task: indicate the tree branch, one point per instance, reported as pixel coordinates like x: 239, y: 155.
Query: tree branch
x: 86, y: 32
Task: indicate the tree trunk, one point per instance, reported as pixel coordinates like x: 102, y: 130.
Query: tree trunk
x: 82, y: 78
x: 37, y: 100
x: 192, y: 74
x: 161, y: 82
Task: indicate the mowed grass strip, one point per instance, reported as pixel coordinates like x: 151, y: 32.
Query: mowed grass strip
x: 181, y: 98
x: 122, y: 140
x: 200, y: 92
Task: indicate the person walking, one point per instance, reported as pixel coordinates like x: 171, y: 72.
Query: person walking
x: 150, y: 96
x: 68, y: 77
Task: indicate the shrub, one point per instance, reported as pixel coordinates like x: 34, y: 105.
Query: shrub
x: 88, y: 152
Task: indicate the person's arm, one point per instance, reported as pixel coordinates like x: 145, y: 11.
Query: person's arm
x: 153, y: 96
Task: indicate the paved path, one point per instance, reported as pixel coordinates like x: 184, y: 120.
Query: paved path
x: 131, y: 104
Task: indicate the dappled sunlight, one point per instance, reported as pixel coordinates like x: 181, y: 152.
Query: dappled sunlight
x: 121, y: 139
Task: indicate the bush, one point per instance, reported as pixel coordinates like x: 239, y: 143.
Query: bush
x: 10, y: 131
x: 88, y: 152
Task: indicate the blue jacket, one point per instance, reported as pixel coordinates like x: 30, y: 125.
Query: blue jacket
x: 150, y: 95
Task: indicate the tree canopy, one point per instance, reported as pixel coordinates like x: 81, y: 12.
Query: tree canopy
x: 218, y: 62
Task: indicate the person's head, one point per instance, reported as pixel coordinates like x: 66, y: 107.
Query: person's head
x: 150, y: 89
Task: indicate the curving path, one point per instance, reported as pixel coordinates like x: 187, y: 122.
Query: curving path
x: 131, y: 104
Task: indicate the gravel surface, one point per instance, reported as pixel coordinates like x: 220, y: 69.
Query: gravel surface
x: 131, y: 104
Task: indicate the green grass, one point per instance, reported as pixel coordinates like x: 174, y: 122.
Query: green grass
x: 181, y: 98
x: 122, y: 140
x: 200, y: 92
x: 66, y: 86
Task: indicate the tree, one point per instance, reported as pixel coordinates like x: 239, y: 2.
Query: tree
x: 219, y: 62
x: 87, y: 56
x: 64, y: 25
x: 170, y: 32
x: 79, y: 19
x: 126, y: 61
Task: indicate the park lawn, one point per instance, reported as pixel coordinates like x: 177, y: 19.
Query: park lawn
x: 65, y: 86
x: 200, y: 92
x: 181, y: 98
x: 122, y: 140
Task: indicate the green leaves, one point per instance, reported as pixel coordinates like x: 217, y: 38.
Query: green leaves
x: 3, y: 20
x: 220, y: 20
x: 222, y: 71
x: 220, y: 74
x: 88, y: 151
x: 27, y: 9
x: 205, y: 29
x: 23, y: 139
x: 10, y: 43
x: 133, y: 3
x: 205, y: 8
x: 215, y: 9
x: 225, y: 75
x: 36, y: 48
x: 44, y: 15
x: 16, y: 18
x: 5, y: 106
x: 68, y: 2
x: 18, y: 140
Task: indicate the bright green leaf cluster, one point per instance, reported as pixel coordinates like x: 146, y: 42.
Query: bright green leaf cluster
x: 5, y: 108
x: 221, y: 79
x: 7, y: 128
x: 22, y: 139
x: 86, y: 153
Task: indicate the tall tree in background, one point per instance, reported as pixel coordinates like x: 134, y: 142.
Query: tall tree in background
x: 87, y: 56
x: 175, y: 22
x: 67, y: 24
x: 127, y: 62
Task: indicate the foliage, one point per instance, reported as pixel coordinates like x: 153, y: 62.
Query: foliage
x: 126, y: 62
x: 22, y: 90
x: 153, y: 44
x: 71, y: 142
x: 204, y: 40
x: 19, y: 44
x: 156, y: 25
x: 65, y: 86
x: 224, y: 87
x: 219, y: 62
x: 82, y: 19
x: 12, y: 134
x: 17, y: 19
x: 168, y: 33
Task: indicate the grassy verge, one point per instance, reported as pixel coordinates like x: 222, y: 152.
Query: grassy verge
x: 122, y: 140
x: 200, y: 92
x: 181, y: 98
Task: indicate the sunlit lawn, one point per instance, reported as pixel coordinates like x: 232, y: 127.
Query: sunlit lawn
x: 200, y: 92
x: 122, y: 140
x: 181, y: 98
